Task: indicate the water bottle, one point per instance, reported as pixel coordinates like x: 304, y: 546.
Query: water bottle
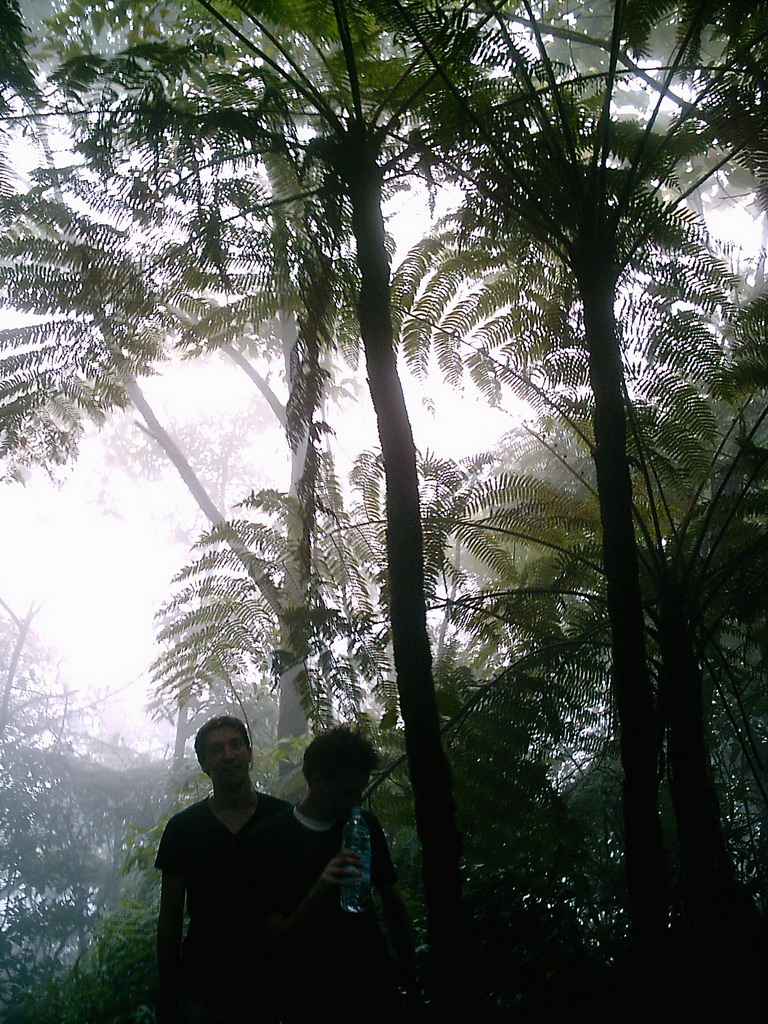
x: 356, y: 893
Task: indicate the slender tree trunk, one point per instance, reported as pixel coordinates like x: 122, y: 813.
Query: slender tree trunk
x: 721, y: 920
x: 295, y: 697
x: 292, y: 714
x: 428, y: 766
x: 630, y: 678
x: 181, y: 734
x: 292, y: 719
x: 160, y: 435
x: 24, y: 627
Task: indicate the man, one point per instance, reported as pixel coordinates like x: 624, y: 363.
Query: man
x: 208, y: 978
x: 331, y: 961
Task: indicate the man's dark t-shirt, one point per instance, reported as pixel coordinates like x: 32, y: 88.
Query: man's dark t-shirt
x: 221, y: 941
x: 341, y: 957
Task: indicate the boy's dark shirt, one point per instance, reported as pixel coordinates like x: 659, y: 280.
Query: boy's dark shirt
x: 340, y: 958
x: 221, y: 939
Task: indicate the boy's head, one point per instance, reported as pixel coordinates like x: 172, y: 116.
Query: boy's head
x: 337, y: 766
x: 213, y: 725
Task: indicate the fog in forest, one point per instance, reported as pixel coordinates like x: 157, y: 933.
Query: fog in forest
x: 488, y: 485
x: 90, y: 549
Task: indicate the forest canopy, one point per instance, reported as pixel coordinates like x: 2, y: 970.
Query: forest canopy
x: 558, y: 640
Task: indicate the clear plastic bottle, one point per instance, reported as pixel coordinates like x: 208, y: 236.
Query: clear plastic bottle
x: 356, y: 893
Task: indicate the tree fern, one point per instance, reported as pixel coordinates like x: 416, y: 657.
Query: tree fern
x: 333, y: 633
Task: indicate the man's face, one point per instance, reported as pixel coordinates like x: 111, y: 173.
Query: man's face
x: 226, y: 758
x: 339, y: 794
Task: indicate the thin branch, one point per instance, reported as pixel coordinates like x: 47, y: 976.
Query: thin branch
x: 273, y: 204
x: 301, y: 83
x: 755, y: 583
x: 745, y: 738
x: 535, y: 94
x: 483, y: 524
x: 646, y: 473
x: 493, y: 595
x: 570, y: 35
x: 717, y: 454
x: 634, y: 170
x: 16, y: 620
x: 599, y: 161
x: 505, y: 370
x: 405, y: 104
x: 24, y: 628
x: 503, y: 677
x: 350, y: 62
x: 272, y: 400
x: 457, y: 94
x: 721, y: 490
x: 642, y: 238
x: 561, y: 459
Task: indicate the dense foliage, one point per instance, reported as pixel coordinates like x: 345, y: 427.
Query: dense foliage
x: 593, y: 585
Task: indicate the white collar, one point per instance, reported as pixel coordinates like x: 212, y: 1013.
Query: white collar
x: 312, y: 823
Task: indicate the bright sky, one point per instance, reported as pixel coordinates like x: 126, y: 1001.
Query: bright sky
x: 97, y: 548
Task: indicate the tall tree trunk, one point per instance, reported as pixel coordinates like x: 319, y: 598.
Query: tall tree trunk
x: 180, y: 739
x: 428, y: 765
x: 291, y: 716
x: 632, y: 690
x: 295, y: 698
x: 721, y: 921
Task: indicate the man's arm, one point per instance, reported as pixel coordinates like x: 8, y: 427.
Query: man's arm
x: 398, y: 922
x: 170, y: 925
x: 280, y: 930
